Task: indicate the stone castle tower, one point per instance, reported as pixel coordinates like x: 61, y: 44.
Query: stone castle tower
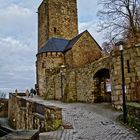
x: 57, y: 18
x: 57, y: 23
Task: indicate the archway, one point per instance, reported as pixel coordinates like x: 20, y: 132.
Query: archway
x: 102, y: 86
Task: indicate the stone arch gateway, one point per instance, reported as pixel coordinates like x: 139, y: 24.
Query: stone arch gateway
x: 102, y: 85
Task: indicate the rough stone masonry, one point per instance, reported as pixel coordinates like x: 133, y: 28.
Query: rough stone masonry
x: 72, y: 67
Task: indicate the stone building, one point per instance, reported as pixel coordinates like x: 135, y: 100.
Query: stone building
x: 71, y: 66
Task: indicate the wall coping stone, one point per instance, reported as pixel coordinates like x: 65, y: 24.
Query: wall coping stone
x: 39, y: 115
x: 32, y: 101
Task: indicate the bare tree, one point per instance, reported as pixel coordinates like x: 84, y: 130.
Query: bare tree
x: 120, y: 19
x: 106, y: 47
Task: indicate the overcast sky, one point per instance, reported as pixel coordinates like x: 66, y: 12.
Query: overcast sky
x: 18, y: 39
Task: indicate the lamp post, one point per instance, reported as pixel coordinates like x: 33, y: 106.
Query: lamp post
x: 61, y: 72
x: 123, y: 82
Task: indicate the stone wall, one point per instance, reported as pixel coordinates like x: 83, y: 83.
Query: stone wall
x: 77, y: 84
x: 80, y: 84
x: 132, y: 75
x: 87, y: 91
x: 25, y: 114
x: 47, y: 61
x: 3, y: 107
x: 53, y: 79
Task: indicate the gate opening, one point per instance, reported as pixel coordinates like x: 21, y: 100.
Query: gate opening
x: 102, y: 86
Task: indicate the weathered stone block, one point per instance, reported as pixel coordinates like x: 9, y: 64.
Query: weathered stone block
x: 138, y: 69
x: 138, y: 63
x: 138, y: 73
x: 118, y: 87
x: 127, y: 80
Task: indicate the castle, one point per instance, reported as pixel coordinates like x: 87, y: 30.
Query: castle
x: 71, y: 66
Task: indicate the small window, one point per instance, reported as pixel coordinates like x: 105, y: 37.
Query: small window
x: 43, y: 65
x: 54, y: 30
x: 128, y: 66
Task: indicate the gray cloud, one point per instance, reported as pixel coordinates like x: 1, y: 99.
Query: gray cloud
x: 18, y: 43
x: 17, y: 21
x: 88, y: 20
x: 17, y: 64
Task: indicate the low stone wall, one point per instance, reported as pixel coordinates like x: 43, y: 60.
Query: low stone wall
x: 133, y: 110
x: 3, y: 107
x: 25, y: 114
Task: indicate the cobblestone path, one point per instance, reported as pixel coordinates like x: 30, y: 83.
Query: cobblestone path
x: 89, y: 122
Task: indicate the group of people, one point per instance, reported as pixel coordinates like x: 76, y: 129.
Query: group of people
x: 31, y: 93
x: 28, y: 93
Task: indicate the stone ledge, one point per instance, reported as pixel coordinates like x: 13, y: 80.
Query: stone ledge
x: 39, y: 116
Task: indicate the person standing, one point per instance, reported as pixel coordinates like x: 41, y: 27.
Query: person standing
x: 27, y: 93
x: 16, y: 92
x: 32, y: 92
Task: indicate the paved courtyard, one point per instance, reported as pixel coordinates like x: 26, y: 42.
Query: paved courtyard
x: 88, y: 122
